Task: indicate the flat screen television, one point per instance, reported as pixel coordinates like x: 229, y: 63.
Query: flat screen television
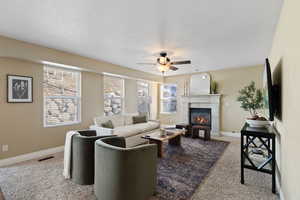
x: 268, y: 92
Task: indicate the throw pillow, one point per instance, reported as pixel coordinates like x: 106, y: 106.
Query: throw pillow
x: 139, y: 119
x: 108, y: 124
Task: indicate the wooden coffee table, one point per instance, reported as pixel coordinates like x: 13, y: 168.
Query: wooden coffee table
x: 173, y: 136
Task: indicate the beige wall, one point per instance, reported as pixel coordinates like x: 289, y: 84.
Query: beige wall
x: 130, y: 96
x: 22, y: 123
x: 23, y: 50
x: 285, y: 62
x: 154, y: 101
x: 230, y: 81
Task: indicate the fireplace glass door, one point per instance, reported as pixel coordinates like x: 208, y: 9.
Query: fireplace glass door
x: 200, y: 116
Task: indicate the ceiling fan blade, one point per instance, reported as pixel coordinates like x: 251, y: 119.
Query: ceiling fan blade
x: 183, y: 62
x: 145, y: 63
x: 173, y: 68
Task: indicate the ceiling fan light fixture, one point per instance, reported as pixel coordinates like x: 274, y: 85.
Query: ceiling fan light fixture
x: 164, y: 63
x: 163, y: 60
x: 163, y: 68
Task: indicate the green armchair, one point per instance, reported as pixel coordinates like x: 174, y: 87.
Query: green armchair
x: 83, y: 157
x: 124, y: 173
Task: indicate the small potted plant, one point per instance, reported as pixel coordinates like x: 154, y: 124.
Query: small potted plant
x: 214, y: 87
x: 251, y: 100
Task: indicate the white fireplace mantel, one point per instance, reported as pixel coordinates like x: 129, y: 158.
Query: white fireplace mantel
x: 211, y: 101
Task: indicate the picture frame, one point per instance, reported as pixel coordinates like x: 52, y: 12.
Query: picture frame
x: 19, y: 89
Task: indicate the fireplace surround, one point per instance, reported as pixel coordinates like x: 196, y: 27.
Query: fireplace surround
x: 205, y: 101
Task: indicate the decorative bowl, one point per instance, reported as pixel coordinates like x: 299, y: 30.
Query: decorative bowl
x: 257, y: 123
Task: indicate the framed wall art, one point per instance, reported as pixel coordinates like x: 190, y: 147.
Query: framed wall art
x: 19, y: 89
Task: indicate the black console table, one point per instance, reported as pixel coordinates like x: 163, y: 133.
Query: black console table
x: 258, y: 151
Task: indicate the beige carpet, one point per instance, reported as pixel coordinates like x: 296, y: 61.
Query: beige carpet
x: 223, y: 183
x: 46, y: 181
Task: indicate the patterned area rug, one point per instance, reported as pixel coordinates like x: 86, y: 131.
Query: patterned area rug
x: 180, y: 172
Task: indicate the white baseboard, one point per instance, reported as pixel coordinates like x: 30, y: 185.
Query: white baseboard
x: 216, y: 134
x: 230, y: 134
x: 279, y: 189
x: 30, y: 156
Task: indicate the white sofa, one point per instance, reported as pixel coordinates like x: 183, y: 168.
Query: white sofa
x: 124, y: 127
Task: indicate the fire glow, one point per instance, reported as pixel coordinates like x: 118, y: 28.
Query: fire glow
x: 200, y: 120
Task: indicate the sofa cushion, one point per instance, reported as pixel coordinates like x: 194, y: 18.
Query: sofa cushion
x: 139, y: 119
x: 108, y: 124
x: 135, y: 129
x: 99, y: 120
x: 128, y: 118
x: 117, y: 120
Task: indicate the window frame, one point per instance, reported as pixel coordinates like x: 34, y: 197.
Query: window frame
x: 162, y: 98
x: 78, y: 98
x: 121, y: 97
x: 137, y: 82
x: 147, y: 97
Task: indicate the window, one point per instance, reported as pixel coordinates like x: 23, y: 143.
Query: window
x: 62, y: 96
x: 168, y: 98
x: 143, y: 97
x: 113, y: 95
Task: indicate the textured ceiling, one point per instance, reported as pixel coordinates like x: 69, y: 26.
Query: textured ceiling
x: 214, y: 34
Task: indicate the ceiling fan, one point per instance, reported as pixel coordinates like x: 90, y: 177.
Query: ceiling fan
x: 164, y: 63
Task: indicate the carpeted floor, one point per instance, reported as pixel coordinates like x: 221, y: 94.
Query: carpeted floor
x: 182, y: 169
x: 179, y: 174
x: 222, y: 182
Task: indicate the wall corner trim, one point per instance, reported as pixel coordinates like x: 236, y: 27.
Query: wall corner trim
x: 279, y: 189
x: 30, y: 156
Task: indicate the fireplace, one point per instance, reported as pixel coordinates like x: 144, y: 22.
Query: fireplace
x: 209, y: 101
x: 200, y: 116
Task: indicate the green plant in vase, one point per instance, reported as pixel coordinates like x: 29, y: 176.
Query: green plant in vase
x: 214, y: 87
x: 251, y: 100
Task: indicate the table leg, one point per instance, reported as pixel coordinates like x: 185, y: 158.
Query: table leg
x: 195, y: 133
x: 242, y: 159
x: 159, y: 147
x: 273, y: 166
x: 207, y: 134
x: 175, y: 141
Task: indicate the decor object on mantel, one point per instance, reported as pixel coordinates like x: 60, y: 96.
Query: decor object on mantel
x: 186, y: 88
x: 214, y: 87
x: 19, y: 89
x: 251, y: 100
x: 200, y: 84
